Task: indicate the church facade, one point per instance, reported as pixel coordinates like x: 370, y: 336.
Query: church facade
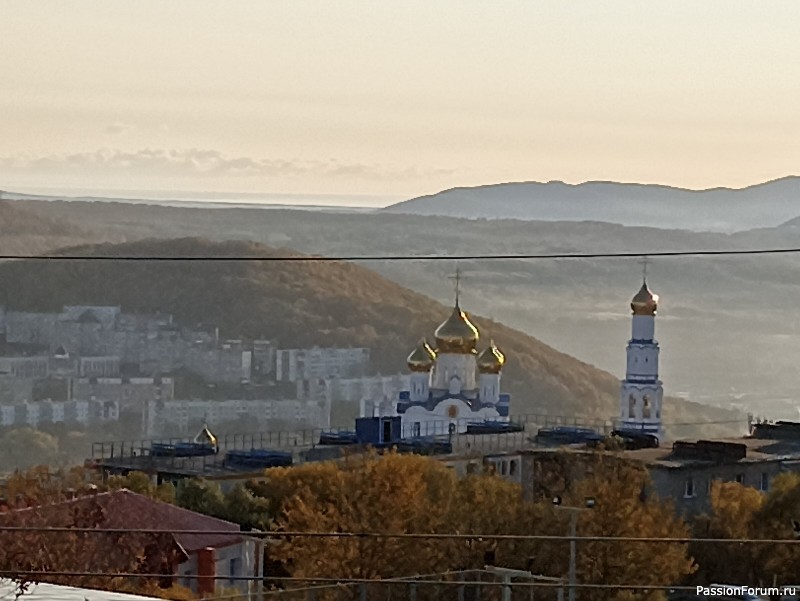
x: 641, y: 392
x: 451, y: 383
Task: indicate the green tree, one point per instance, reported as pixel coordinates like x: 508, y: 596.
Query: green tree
x: 141, y: 483
x: 22, y: 448
x: 202, y: 496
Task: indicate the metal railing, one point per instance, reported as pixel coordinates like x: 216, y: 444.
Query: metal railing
x: 300, y: 441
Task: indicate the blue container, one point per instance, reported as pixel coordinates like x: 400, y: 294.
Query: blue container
x: 257, y: 458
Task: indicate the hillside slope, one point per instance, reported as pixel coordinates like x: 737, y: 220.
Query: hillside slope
x: 716, y: 209
x: 300, y: 304
x: 23, y: 231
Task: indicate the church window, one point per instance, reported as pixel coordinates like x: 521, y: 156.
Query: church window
x: 764, y: 485
x: 740, y: 478
x: 631, y: 406
x: 688, y: 489
x: 502, y: 468
x: 512, y: 468
x: 416, y: 429
x: 646, y: 406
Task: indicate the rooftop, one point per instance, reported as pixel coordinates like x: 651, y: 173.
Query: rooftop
x: 56, y: 592
x: 123, y: 509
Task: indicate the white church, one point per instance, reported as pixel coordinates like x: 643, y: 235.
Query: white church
x: 641, y: 392
x: 452, y: 384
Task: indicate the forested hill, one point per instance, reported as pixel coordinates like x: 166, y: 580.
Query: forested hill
x: 300, y: 304
x: 24, y: 232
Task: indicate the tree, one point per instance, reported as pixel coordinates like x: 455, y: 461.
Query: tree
x: 734, y: 508
x: 141, y: 483
x: 622, y: 508
x: 239, y: 506
x: 41, y: 484
x: 201, y: 496
x: 23, y: 448
x: 389, y: 494
x: 773, y: 520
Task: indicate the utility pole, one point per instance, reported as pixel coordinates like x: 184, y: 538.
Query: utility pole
x: 589, y: 503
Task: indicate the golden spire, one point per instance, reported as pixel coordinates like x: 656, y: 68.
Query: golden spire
x: 491, y: 359
x: 422, y: 357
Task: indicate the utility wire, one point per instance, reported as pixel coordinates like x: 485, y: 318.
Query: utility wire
x: 31, y: 575
x: 407, y: 535
x: 340, y: 258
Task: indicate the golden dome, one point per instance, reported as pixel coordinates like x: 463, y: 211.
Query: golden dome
x: 645, y: 302
x: 457, y: 334
x: 422, y: 357
x: 491, y: 360
x: 205, y: 436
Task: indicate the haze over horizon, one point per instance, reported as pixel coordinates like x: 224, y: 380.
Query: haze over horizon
x: 398, y: 100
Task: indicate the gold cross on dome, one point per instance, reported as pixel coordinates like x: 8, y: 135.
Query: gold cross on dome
x: 457, y: 278
x: 644, y: 263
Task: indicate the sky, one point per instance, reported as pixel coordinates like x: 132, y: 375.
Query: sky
x: 379, y: 100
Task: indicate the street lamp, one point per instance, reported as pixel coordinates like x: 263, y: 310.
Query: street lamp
x: 588, y: 503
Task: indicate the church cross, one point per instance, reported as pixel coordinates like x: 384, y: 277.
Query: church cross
x: 644, y: 263
x: 457, y: 278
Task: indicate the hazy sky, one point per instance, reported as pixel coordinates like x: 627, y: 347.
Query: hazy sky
x: 395, y: 98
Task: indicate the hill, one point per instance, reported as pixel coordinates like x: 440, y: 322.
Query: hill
x: 716, y: 209
x: 300, y: 304
x: 23, y: 231
x: 303, y: 304
x: 578, y: 307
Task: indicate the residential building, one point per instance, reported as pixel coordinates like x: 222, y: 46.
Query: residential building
x: 225, y: 558
x: 185, y: 414
x: 320, y: 363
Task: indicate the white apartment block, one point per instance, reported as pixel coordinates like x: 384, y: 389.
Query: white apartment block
x: 55, y: 412
x: 319, y: 363
x: 305, y: 414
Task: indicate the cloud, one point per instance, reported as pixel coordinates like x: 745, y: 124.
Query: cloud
x: 210, y: 163
x: 119, y: 128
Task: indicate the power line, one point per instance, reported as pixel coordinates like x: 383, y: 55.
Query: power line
x: 406, y: 580
x: 364, y: 258
x: 407, y: 535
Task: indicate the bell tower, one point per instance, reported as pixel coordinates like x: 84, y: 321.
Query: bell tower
x: 641, y: 392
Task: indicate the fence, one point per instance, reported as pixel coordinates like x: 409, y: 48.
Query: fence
x: 309, y: 438
x: 298, y: 442
x: 490, y: 584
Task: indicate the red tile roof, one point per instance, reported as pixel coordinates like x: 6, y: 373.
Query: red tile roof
x: 123, y: 509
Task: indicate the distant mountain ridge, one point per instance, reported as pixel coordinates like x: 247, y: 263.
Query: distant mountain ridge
x: 766, y: 204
